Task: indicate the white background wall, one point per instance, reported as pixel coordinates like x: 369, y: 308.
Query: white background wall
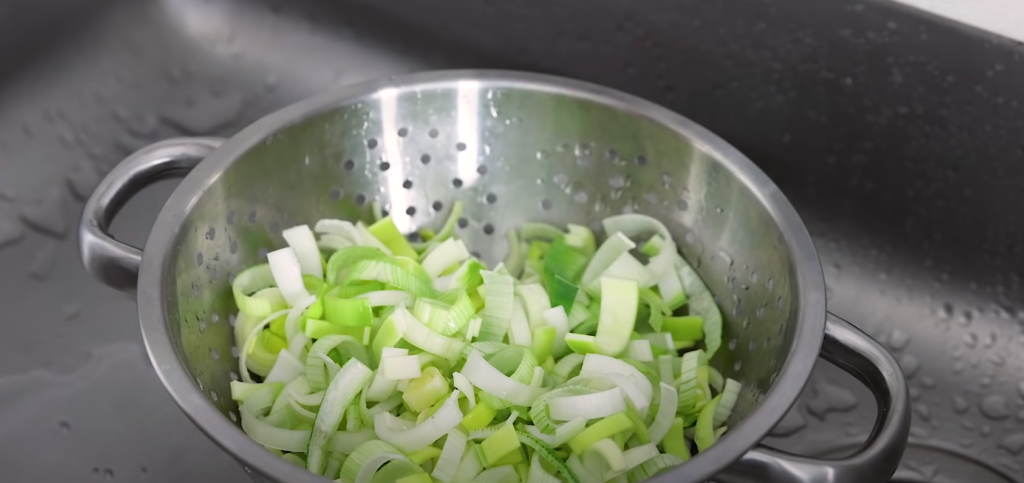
x: 1004, y: 17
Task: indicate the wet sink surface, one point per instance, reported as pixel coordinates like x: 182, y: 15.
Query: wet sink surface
x: 898, y: 138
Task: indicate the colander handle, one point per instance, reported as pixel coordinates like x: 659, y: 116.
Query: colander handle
x: 864, y: 358
x: 110, y: 261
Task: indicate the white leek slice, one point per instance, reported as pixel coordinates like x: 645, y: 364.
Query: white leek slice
x: 702, y: 303
x: 408, y: 436
x: 469, y: 466
x: 286, y: 369
x: 346, y: 442
x: 498, y: 305
x: 252, y: 291
x: 519, y: 331
x: 599, y: 365
x: 448, y: 253
x: 636, y: 456
x: 451, y: 455
x: 344, y: 388
x: 400, y: 367
x: 670, y: 287
x: 461, y: 383
x: 538, y: 474
x: 666, y: 413
x: 615, y: 245
x: 569, y: 430
x: 604, y: 458
x: 729, y: 396
x: 380, y: 388
x: 419, y: 335
x: 292, y: 324
x: 366, y: 238
x: 284, y: 264
x: 557, y: 318
x: 578, y: 314
x: 367, y: 459
x: 301, y: 240
x: 332, y: 243
x: 490, y: 380
x: 340, y: 228
x: 666, y: 368
x: 387, y: 298
x: 640, y: 350
x: 589, y: 406
x: 625, y: 267
x: 642, y: 226
x: 250, y: 340
x: 318, y: 361
x: 618, y: 315
x: 535, y: 301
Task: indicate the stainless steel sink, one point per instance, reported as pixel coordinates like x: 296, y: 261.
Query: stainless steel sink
x: 897, y: 135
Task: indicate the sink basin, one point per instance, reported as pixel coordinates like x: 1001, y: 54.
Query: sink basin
x: 895, y: 134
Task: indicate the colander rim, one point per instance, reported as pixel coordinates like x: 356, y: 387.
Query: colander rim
x: 159, y: 251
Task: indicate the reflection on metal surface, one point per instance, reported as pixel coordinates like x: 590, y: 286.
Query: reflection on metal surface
x: 897, y: 146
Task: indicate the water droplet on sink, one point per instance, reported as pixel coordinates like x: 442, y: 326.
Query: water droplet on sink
x: 946, y: 311
x: 206, y: 115
x: 82, y: 178
x: 830, y: 398
x: 108, y: 473
x: 927, y: 382
x: 43, y: 261
x: 1020, y: 388
x: 910, y: 365
x: 994, y: 407
x: 11, y: 232
x: 65, y: 427
x: 986, y: 430
x: 898, y: 339
x: 71, y: 312
x: 960, y: 405
x: 1013, y: 443
x: 43, y: 210
x: 923, y: 412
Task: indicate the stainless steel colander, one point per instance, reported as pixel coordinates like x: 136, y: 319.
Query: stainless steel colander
x: 514, y: 148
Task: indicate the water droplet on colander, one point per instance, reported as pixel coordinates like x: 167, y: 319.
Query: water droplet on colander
x: 996, y: 360
x: 971, y: 340
x: 994, y: 407
x: 946, y: 311
x: 1013, y: 443
x: 898, y: 339
x: 910, y: 365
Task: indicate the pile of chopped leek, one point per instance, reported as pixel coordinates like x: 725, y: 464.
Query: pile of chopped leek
x: 366, y: 358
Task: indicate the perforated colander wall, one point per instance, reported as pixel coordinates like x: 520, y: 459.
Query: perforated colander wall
x: 512, y: 155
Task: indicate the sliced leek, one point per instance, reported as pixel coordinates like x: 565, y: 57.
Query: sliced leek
x: 411, y: 362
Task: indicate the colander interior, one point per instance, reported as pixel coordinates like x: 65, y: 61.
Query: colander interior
x: 512, y: 153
